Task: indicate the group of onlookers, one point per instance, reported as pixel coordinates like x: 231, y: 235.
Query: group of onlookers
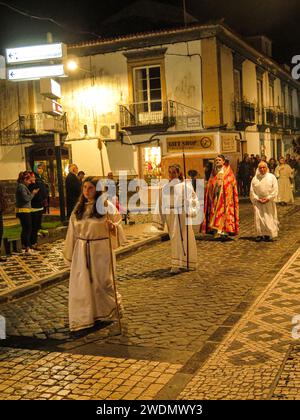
x: 286, y: 170
x: 31, y: 200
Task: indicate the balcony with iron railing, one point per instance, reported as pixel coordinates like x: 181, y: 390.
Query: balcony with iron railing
x: 40, y: 124
x: 146, y: 116
x: 32, y: 126
x: 244, y: 114
x: 280, y: 119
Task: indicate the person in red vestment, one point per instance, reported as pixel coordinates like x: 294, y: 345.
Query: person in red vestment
x: 221, y: 202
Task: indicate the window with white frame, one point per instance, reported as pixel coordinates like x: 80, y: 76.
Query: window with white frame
x: 148, y: 93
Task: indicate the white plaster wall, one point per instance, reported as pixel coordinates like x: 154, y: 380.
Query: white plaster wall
x: 183, y: 74
x: 12, y: 162
x: 86, y: 155
x: 252, y: 142
x: 92, y: 99
x: 122, y: 157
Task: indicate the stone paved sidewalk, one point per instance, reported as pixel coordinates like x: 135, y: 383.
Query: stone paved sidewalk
x: 173, y: 322
x: 20, y: 273
x: 56, y: 376
x: 252, y: 362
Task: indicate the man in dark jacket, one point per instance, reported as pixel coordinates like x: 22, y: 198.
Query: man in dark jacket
x: 244, y: 175
x: 73, y: 188
x: 37, y: 204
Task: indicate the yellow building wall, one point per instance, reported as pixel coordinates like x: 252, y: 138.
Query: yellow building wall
x: 227, y: 86
x: 210, y: 83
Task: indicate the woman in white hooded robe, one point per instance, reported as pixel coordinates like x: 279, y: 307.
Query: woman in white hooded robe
x: 178, y: 207
x: 263, y: 195
x: 87, y: 250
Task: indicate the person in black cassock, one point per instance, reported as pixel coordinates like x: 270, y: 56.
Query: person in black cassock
x: 73, y: 188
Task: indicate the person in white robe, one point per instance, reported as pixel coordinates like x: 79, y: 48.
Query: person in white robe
x: 263, y: 195
x: 285, y: 175
x: 177, y: 206
x: 87, y: 251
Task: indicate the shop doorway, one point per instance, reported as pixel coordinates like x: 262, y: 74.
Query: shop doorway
x: 151, y: 163
x: 46, y: 154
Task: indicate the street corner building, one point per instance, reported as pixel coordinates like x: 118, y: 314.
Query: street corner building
x: 126, y: 108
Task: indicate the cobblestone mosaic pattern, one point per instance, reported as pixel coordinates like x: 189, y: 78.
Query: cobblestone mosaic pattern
x: 178, y: 315
x: 288, y: 384
x: 21, y: 270
x: 56, y: 376
x: 247, y: 363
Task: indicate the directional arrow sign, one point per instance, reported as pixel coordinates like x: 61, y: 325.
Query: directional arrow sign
x: 38, y: 72
x: 34, y: 53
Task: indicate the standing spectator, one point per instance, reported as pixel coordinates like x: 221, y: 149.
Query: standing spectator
x: 81, y: 176
x: 37, y: 205
x: 244, y: 176
x: 2, y: 208
x: 253, y: 164
x: 284, y: 173
x: 73, y: 188
x: 272, y: 165
x: 23, y: 208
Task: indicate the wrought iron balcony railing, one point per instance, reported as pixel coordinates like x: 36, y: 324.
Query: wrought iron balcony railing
x: 32, y: 125
x: 280, y: 119
x: 143, y: 115
x: 244, y: 113
x: 42, y: 124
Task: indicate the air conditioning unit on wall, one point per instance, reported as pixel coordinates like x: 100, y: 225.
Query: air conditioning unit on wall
x: 109, y: 131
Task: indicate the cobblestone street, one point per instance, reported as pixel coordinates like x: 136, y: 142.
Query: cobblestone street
x: 221, y: 332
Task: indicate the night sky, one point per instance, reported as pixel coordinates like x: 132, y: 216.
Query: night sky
x: 82, y: 20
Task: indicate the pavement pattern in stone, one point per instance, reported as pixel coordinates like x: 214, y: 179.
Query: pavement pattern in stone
x: 21, y: 270
x: 247, y: 363
x: 55, y: 376
x: 178, y: 320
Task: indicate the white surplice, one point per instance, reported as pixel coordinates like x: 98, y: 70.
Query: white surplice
x: 265, y: 215
x: 177, y: 206
x: 285, y: 175
x: 87, y: 250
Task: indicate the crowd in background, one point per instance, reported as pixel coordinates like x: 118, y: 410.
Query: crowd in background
x: 286, y: 170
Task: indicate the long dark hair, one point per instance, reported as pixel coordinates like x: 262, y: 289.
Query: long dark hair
x: 80, y: 207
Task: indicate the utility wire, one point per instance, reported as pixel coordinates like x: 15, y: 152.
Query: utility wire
x: 45, y: 19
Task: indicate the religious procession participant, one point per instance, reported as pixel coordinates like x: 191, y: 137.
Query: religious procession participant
x: 221, y: 202
x: 263, y: 194
x: 177, y: 206
x: 87, y: 250
x: 285, y: 175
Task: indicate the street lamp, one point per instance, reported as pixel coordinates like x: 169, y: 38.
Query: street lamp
x: 72, y: 65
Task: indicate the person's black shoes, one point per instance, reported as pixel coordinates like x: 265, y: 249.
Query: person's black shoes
x: 259, y: 239
x: 268, y: 239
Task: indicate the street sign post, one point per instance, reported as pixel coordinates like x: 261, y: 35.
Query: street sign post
x: 36, y: 72
x: 35, y: 53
